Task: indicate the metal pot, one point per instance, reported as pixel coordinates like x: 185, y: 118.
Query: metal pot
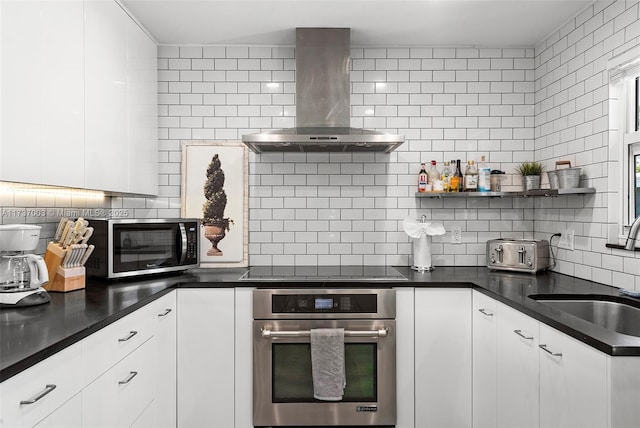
x: 531, y: 182
x: 568, y: 178
x: 553, y: 179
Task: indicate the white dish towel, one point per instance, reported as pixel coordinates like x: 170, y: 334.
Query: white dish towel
x: 327, y: 363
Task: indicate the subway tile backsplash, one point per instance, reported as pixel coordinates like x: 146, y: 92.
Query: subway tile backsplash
x: 546, y: 103
x: 347, y: 208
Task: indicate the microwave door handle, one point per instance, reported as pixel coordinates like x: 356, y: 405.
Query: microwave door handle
x: 183, y: 243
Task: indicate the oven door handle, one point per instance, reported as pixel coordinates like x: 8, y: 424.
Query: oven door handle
x: 268, y: 333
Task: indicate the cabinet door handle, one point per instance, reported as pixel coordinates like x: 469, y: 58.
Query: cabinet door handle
x: 485, y: 312
x: 47, y: 389
x: 522, y: 335
x: 129, y: 336
x: 128, y: 379
x: 545, y: 349
x: 165, y: 313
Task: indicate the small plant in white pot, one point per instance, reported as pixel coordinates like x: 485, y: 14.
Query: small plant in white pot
x: 531, y: 173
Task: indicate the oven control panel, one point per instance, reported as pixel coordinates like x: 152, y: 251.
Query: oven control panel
x: 324, y: 303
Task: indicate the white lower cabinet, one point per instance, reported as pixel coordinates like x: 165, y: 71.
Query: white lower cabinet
x: 120, y: 396
x: 243, y: 358
x: 206, y: 338
x: 517, y: 369
x: 573, y: 382
x: 443, y: 357
x: 527, y: 374
x: 29, y: 397
x: 405, y: 357
x: 69, y: 415
x: 164, y: 310
x: 484, y: 361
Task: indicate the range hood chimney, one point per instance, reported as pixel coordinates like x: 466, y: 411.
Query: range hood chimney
x: 323, y: 102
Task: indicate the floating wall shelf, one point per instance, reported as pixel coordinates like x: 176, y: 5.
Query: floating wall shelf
x: 522, y: 194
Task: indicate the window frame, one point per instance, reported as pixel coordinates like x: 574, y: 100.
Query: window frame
x: 624, y: 139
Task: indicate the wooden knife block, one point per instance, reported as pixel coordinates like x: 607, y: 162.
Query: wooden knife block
x: 67, y: 279
x: 53, y: 259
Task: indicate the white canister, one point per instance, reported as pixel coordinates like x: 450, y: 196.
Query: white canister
x: 422, y: 253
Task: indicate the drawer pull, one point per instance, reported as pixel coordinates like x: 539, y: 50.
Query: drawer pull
x: 128, y: 379
x: 47, y: 390
x: 485, y: 312
x: 165, y: 313
x: 545, y: 349
x: 129, y: 336
x: 524, y: 336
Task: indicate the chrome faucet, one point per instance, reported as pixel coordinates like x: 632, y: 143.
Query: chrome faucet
x: 633, y: 233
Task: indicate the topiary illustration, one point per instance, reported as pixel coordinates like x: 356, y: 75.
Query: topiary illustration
x: 213, y: 208
x: 214, y: 222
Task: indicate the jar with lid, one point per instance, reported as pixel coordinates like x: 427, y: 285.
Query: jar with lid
x: 422, y: 178
x: 433, y: 173
x: 471, y: 177
x: 445, y: 176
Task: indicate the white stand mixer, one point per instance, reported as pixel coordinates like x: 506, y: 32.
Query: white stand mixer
x: 21, y: 273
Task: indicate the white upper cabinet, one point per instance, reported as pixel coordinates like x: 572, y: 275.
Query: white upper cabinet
x: 142, y: 103
x: 121, y: 143
x: 79, y: 97
x: 62, y: 79
x: 106, y: 153
x: 42, y: 92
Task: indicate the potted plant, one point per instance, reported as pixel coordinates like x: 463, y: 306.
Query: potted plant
x: 531, y: 173
x: 214, y: 223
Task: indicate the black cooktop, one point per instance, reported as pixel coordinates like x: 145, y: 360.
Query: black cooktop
x: 322, y: 273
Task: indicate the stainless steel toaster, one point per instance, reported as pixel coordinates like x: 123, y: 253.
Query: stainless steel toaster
x: 521, y: 255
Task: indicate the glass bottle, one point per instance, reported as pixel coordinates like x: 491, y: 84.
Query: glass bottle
x: 455, y: 183
x: 484, y: 176
x: 471, y: 177
x: 422, y: 178
x: 433, y: 173
x: 445, y: 176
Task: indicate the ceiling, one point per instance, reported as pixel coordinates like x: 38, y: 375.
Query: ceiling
x: 480, y: 23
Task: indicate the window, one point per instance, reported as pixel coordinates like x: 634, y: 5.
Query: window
x: 624, y: 140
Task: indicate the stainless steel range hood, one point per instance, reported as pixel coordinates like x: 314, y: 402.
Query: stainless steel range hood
x: 323, y: 104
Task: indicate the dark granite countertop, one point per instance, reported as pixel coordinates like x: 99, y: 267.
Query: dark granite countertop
x: 29, y: 335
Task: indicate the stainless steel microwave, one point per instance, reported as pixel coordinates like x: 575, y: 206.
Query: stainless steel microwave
x: 131, y: 247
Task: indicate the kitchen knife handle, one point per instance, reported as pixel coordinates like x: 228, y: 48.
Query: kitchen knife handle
x: 128, y: 379
x: 524, y: 336
x: 46, y: 391
x: 129, y: 336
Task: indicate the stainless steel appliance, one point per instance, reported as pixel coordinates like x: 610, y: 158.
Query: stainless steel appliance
x: 21, y: 273
x: 520, y: 255
x: 129, y: 247
x: 323, y: 106
x: 282, y: 372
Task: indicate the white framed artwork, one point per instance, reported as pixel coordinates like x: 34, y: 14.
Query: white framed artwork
x: 215, y: 189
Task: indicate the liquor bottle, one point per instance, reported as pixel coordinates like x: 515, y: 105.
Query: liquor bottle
x: 455, y: 183
x: 433, y: 174
x: 445, y: 176
x: 484, y: 176
x: 422, y: 178
x: 471, y: 177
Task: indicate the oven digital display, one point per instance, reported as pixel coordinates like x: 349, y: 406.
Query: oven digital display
x: 322, y: 303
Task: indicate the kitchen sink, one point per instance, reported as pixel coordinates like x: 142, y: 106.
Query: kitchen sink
x: 608, y: 312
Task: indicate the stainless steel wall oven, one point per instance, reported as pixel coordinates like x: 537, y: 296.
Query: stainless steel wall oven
x: 283, y: 390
